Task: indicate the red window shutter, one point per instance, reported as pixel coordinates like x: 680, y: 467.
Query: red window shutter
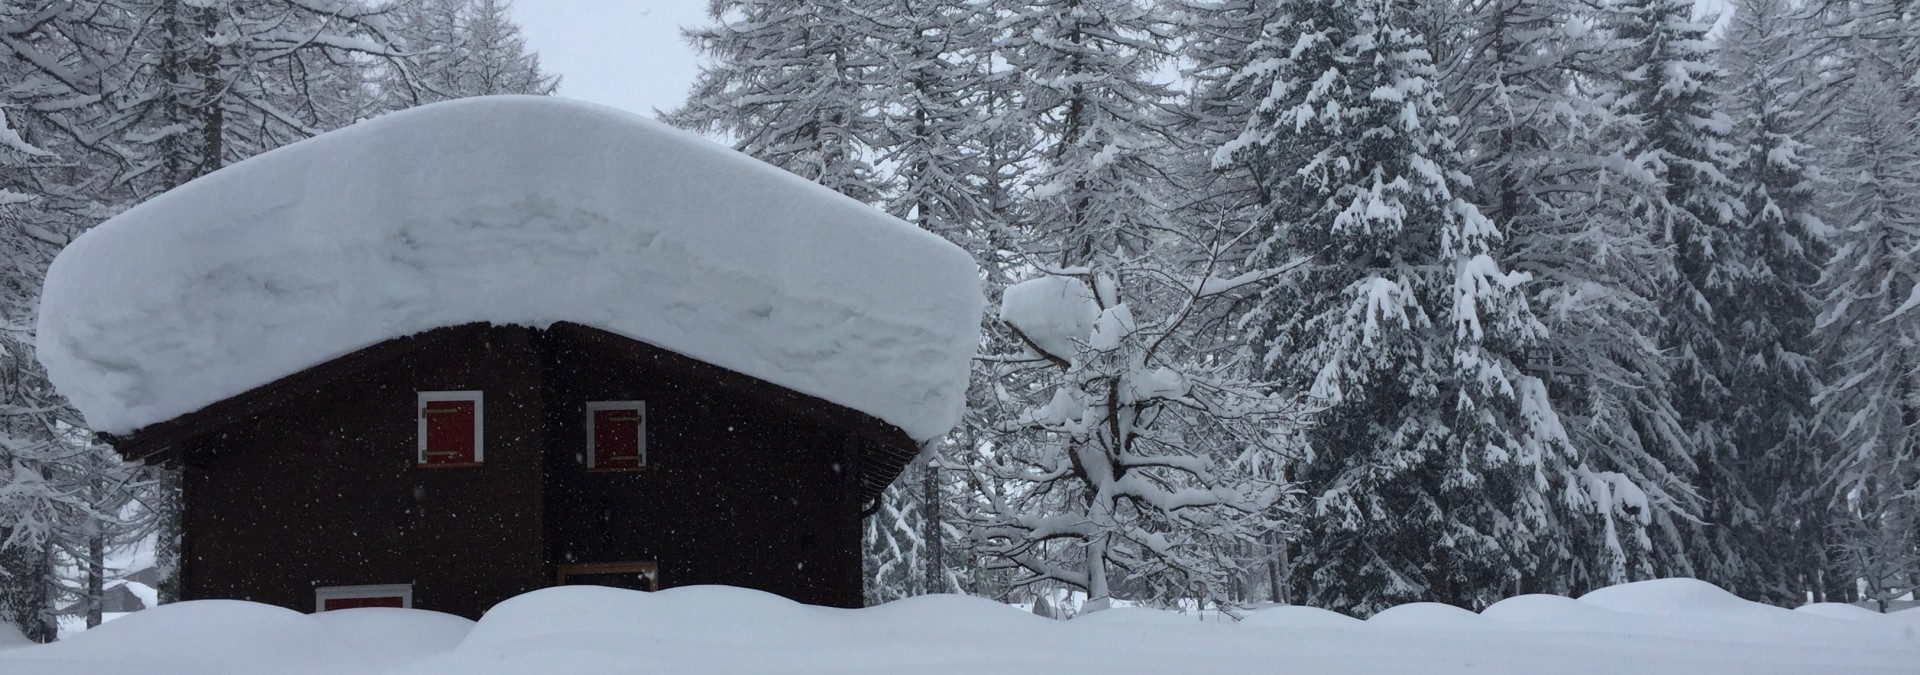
x: 449, y: 432
x: 355, y: 603
x: 617, y: 438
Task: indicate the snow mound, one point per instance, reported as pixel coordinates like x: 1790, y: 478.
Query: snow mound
x: 717, y: 614
x: 1674, y: 597
x: 712, y: 629
x: 953, y: 612
x: 510, y: 210
x: 1135, y: 616
x: 1427, y: 615
x: 206, y: 637
x: 1842, y: 611
x: 1300, y: 616
x: 10, y: 636
x: 1555, y: 612
x: 392, y: 635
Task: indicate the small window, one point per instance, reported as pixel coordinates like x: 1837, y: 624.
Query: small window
x: 450, y: 428
x: 329, y: 598
x: 616, y: 435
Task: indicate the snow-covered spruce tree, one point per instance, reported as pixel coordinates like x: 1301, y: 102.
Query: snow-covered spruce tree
x: 788, y: 82
x: 1780, y: 245
x: 1215, y: 46
x: 932, y: 82
x: 1668, y: 86
x: 1869, y: 328
x: 462, y: 48
x: 1438, y: 470
x: 39, y: 505
x: 1543, y: 167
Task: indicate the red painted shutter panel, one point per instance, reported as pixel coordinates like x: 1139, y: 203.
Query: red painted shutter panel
x: 449, y: 432
x: 616, y: 439
x: 355, y: 603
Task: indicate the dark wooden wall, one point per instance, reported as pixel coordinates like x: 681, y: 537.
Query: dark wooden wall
x: 747, y: 484
x: 323, y: 489
x: 739, y: 489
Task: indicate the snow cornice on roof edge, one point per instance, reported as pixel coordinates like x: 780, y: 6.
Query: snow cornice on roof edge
x: 509, y: 210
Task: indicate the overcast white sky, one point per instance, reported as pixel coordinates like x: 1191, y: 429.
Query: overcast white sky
x: 623, y: 53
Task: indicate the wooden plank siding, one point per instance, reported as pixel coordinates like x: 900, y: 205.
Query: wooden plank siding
x: 324, y: 490
x: 738, y: 490
x: 311, y: 481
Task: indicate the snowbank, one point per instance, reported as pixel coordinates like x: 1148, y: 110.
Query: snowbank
x: 730, y: 630
x: 10, y: 636
x: 511, y: 210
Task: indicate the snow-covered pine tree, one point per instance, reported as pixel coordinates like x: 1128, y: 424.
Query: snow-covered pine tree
x: 1086, y: 81
x: 60, y: 495
x: 45, y: 482
x: 1436, y: 465
x: 133, y: 97
x: 1542, y: 168
x: 1667, y: 87
x: 28, y: 502
x: 789, y: 82
x: 1227, y: 197
x: 1869, y: 327
x: 935, y: 80
x: 892, y: 545
x: 183, y: 104
x: 1780, y: 245
x: 932, y: 79
x: 462, y: 48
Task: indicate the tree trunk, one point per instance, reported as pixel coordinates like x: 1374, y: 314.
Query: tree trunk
x: 1098, y: 595
x: 96, y: 573
x: 930, y: 520
x: 48, y: 622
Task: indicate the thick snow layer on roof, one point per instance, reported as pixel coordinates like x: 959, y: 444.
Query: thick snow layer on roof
x: 510, y: 210
x: 712, y: 629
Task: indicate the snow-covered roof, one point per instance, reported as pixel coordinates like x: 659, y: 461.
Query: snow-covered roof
x: 510, y: 210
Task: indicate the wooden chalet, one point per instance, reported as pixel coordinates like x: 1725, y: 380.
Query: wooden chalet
x: 455, y: 468
x: 482, y: 347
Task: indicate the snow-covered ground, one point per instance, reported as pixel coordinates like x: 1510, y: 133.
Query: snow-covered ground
x: 1668, y: 626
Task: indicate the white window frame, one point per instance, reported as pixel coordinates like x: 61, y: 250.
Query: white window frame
x: 324, y: 593
x: 593, y: 457
x: 479, y: 421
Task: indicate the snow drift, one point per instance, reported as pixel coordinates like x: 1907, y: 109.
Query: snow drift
x: 510, y: 210
x: 1656, y: 627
